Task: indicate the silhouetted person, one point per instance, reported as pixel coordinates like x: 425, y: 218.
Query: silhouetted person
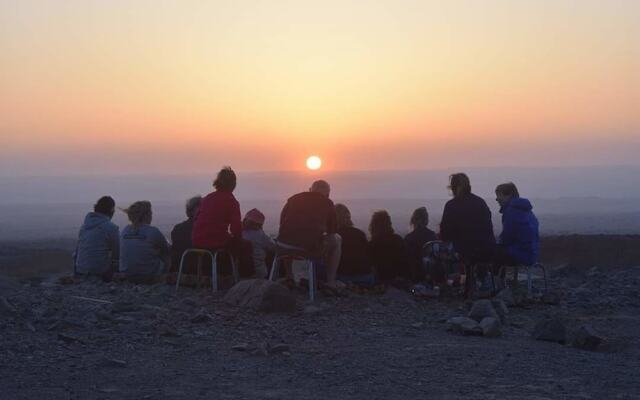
x: 144, y: 251
x: 354, y: 266
x: 518, y: 243
x: 98, y: 248
x: 308, y: 221
x: 415, y: 240
x: 466, y: 222
x: 218, y: 223
x: 181, y: 238
x: 261, y: 244
x: 387, y: 249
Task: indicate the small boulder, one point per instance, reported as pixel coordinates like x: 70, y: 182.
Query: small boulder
x: 482, y: 309
x: 261, y: 295
x: 465, y: 326
x: 506, y: 295
x: 201, y: 316
x: 587, y: 338
x: 501, y: 309
x: 490, y: 327
x: 550, y: 330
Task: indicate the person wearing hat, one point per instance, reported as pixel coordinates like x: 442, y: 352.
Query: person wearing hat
x: 261, y: 243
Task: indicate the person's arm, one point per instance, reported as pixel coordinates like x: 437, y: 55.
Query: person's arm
x: 236, y: 220
x: 114, y: 244
x: 332, y: 219
x: 446, y: 229
x: 267, y: 242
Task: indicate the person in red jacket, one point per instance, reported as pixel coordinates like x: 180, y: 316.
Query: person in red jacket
x: 218, y: 223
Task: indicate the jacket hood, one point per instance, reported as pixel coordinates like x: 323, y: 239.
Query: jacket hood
x: 519, y: 203
x: 94, y: 219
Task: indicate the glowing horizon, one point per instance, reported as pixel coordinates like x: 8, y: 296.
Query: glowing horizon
x: 169, y: 87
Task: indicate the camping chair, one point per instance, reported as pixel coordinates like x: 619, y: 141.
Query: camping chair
x: 295, y: 254
x: 200, y: 253
x: 529, y: 271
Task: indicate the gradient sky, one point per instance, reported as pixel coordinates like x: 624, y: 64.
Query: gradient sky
x: 92, y: 87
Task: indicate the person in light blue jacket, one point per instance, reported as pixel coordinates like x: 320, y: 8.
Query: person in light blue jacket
x: 98, y: 246
x: 143, y: 248
x: 519, y: 240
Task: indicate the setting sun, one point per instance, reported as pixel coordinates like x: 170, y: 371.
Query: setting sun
x: 314, y: 162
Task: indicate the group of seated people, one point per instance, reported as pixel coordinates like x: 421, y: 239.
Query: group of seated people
x: 312, y: 225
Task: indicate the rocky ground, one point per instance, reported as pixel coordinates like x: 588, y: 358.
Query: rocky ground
x: 95, y: 340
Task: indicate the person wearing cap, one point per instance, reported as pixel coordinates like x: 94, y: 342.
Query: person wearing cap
x: 261, y: 243
x: 308, y: 222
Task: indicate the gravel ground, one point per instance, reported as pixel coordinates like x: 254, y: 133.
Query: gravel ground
x: 145, y: 342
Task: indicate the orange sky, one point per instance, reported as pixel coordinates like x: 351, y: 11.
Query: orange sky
x: 181, y: 87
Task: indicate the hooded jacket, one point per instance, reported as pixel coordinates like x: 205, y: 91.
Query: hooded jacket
x: 98, y: 245
x: 520, y: 230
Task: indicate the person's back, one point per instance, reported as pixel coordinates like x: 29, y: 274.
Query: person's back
x: 355, y: 259
x: 520, y: 230
x: 466, y: 222
x: 305, y: 218
x: 217, y: 220
x: 261, y: 243
x: 142, y: 250
x: 387, y: 250
x: 181, y: 236
x: 98, y: 240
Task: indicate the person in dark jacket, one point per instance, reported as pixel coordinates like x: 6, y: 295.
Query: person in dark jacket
x: 181, y: 237
x: 98, y: 248
x: 218, y: 223
x: 466, y: 222
x: 420, y: 234
x: 519, y: 240
x: 355, y: 266
x: 387, y: 250
x: 308, y: 222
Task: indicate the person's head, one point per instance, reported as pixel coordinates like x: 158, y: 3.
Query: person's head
x: 459, y: 184
x: 343, y: 216
x: 420, y: 218
x: 321, y: 187
x: 139, y: 213
x: 505, y: 192
x: 253, y: 220
x: 192, y: 206
x: 105, y: 205
x: 225, y: 180
x: 380, y: 223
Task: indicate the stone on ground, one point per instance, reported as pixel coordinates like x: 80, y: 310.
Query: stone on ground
x: 587, y: 338
x: 501, y: 309
x: 261, y: 295
x: 482, y: 309
x: 506, y: 295
x: 464, y: 326
x: 490, y: 327
x: 550, y: 330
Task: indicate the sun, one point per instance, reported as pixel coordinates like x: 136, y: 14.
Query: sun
x: 314, y: 163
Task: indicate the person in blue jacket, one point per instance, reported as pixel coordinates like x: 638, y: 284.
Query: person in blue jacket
x: 519, y: 241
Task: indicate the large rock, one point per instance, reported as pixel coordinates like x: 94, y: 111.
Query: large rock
x: 550, y: 330
x: 483, y: 309
x: 490, y: 327
x: 501, y: 309
x: 464, y: 326
x: 587, y: 338
x: 506, y: 295
x: 261, y: 295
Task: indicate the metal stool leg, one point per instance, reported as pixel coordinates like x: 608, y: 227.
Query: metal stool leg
x: 273, y: 274
x: 199, y: 271
x: 180, y: 270
x: 312, y: 280
x: 214, y: 272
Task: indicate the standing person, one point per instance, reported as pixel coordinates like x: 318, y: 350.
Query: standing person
x: 181, y: 236
x: 308, y: 222
x: 144, y: 251
x: 354, y: 266
x: 387, y: 250
x: 420, y: 234
x: 519, y: 241
x: 98, y: 248
x: 261, y: 244
x: 218, y: 223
